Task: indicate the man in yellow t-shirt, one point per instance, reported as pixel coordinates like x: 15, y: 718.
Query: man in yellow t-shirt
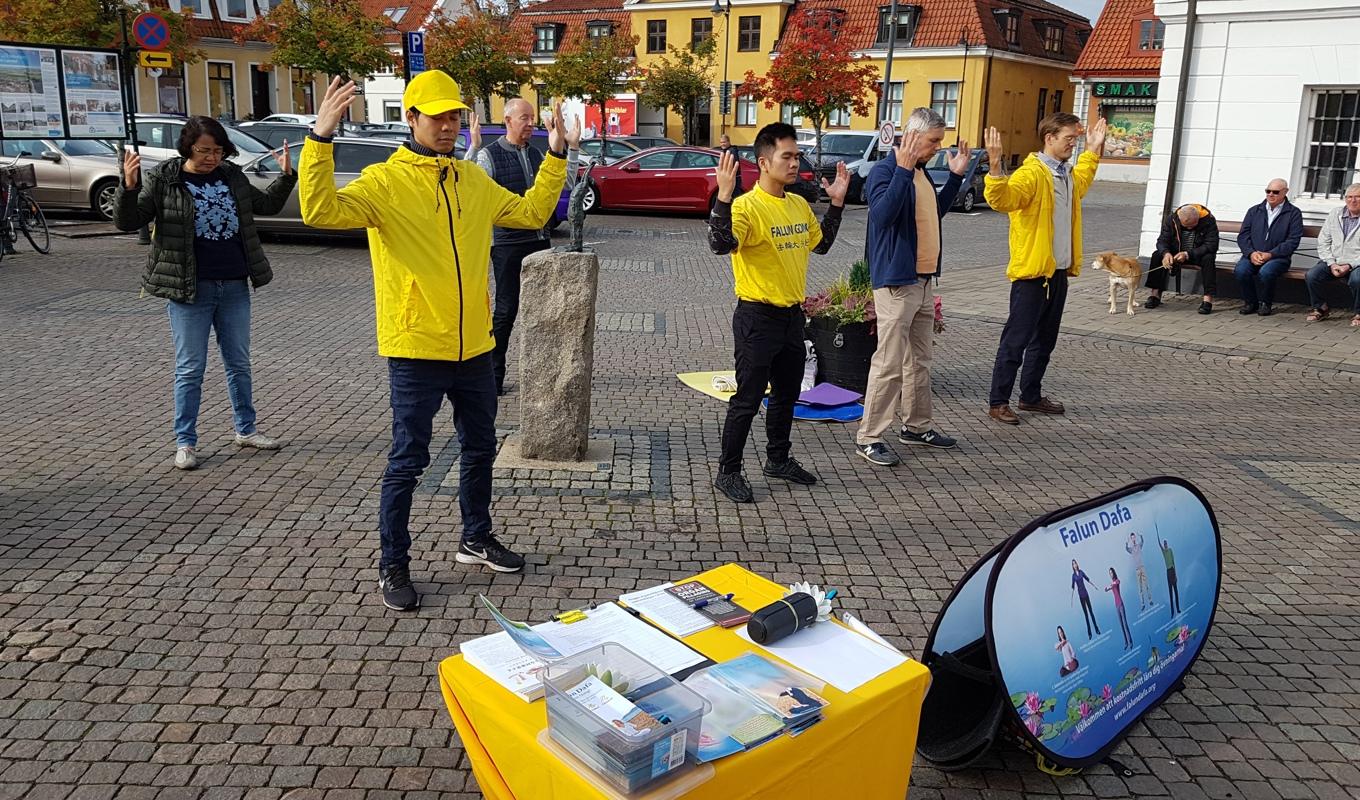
x: 770, y: 234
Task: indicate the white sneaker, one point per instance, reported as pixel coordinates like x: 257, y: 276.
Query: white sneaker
x: 186, y: 458
x: 256, y: 440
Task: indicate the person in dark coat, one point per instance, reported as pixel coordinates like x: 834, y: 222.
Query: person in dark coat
x: 1270, y: 234
x: 1189, y: 237
x: 205, y: 258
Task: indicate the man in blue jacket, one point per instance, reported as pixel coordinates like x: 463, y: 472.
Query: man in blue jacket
x: 1270, y: 234
x: 903, y: 249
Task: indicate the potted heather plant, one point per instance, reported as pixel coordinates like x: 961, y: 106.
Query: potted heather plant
x: 844, y: 329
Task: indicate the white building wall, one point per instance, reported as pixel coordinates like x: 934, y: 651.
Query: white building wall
x: 1252, y: 67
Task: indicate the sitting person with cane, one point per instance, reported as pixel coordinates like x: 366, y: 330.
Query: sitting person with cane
x: 1189, y: 237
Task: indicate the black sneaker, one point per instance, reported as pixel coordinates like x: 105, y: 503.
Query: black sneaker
x: 490, y: 552
x: 1152, y: 302
x: 1250, y: 308
x: 878, y: 453
x: 931, y: 438
x: 1206, y: 308
x: 734, y: 485
x: 790, y: 470
x: 1266, y: 310
x: 398, y: 592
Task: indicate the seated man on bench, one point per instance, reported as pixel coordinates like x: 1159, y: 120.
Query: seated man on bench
x: 1189, y: 236
x: 1270, y: 234
x: 1338, y: 256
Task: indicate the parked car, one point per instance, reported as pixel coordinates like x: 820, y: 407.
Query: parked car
x: 807, y: 185
x: 301, y: 119
x: 71, y: 173
x: 971, y: 189
x: 662, y: 179
x: 158, y: 138
x: 274, y: 133
x: 613, y: 149
x: 645, y: 142
x: 858, y: 149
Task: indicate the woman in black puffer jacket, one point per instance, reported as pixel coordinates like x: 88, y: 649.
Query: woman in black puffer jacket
x: 205, y: 257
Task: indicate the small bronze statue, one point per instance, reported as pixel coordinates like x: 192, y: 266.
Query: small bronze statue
x: 576, y: 212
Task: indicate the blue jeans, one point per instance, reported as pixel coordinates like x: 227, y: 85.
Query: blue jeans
x: 418, y: 392
x: 224, y: 307
x: 1247, y: 277
x: 1321, y: 273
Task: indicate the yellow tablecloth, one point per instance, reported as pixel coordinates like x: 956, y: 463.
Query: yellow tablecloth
x: 863, y: 748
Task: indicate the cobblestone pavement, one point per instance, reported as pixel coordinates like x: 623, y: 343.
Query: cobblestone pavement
x: 218, y: 634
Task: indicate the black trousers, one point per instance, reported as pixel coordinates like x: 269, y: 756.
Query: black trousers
x: 506, y: 261
x: 1157, y: 274
x: 1029, y: 337
x: 768, y: 345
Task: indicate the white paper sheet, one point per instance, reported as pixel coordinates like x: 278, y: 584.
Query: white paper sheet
x: 666, y: 610
x: 834, y: 653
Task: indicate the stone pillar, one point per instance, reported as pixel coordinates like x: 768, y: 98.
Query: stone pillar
x: 556, y: 331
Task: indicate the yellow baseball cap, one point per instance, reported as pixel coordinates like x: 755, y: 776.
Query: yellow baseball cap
x: 432, y: 92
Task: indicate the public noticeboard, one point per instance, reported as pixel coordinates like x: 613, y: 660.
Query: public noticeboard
x: 60, y: 92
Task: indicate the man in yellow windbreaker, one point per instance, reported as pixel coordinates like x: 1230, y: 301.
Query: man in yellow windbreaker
x: 1043, y: 198
x: 429, y: 217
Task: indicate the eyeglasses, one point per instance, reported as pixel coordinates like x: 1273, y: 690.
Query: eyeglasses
x: 216, y: 152
x: 1274, y: 191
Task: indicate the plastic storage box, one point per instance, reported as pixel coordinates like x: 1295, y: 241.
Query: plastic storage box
x: 629, y: 761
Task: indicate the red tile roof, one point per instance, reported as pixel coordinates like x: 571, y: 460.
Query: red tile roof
x: 1110, y: 50
x: 574, y: 14
x: 944, y: 22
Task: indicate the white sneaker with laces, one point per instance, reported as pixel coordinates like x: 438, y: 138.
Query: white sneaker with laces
x: 256, y: 440
x: 186, y: 458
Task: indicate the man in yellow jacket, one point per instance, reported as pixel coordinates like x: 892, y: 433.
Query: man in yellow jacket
x: 429, y: 217
x: 1043, y: 198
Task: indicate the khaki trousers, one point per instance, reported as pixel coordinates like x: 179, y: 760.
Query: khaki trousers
x: 899, y: 375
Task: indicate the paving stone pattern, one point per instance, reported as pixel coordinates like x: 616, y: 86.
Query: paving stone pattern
x: 218, y: 634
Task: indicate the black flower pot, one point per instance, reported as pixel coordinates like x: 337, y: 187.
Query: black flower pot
x: 843, y: 352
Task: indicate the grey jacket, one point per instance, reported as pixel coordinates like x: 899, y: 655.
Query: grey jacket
x: 1333, y: 248
x: 163, y: 202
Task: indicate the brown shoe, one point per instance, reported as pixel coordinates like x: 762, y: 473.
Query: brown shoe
x: 1003, y: 413
x: 1044, y: 406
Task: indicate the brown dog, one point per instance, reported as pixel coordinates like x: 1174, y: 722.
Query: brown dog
x: 1123, y: 272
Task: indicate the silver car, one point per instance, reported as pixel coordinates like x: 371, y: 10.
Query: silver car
x: 72, y: 173
x: 158, y: 139
x: 351, y: 156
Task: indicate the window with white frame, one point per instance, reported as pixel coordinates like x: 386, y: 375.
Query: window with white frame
x: 598, y: 28
x: 1333, y: 141
x: 944, y: 100
x: 839, y: 118
x: 1151, y: 33
x: 1053, y: 36
x: 900, y: 30
x: 234, y: 9
x: 892, y: 101
x: 788, y: 115
x: 391, y: 111
x: 746, y: 107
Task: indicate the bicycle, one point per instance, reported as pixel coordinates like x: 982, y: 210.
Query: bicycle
x: 19, y: 212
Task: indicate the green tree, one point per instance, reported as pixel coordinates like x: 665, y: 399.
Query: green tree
x: 331, y: 37
x: 679, y: 80
x: 481, y: 52
x: 597, y: 67
x: 89, y: 23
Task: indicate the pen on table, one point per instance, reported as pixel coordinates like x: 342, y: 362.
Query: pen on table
x: 831, y: 595
x: 701, y: 603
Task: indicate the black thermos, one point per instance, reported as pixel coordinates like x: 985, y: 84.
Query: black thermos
x: 782, y: 617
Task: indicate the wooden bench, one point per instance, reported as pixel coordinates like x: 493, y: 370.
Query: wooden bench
x: 1293, y: 290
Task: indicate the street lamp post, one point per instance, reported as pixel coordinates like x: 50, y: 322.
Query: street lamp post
x: 885, y: 99
x: 963, y: 78
x: 725, y: 12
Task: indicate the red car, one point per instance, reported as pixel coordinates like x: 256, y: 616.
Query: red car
x: 662, y: 179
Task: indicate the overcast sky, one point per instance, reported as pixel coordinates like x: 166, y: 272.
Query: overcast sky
x: 1090, y: 8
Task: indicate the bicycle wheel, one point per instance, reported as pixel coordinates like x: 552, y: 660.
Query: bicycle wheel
x: 34, y: 224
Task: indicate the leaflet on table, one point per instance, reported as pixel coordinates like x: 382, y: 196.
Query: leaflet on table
x: 735, y: 723
x: 834, y: 653
x: 615, y: 710
x: 30, y: 99
x: 785, y: 692
x: 666, y: 610
x: 550, y: 641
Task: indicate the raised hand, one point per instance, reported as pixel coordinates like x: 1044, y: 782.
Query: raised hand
x: 992, y: 141
x: 1095, y: 138
x: 836, y: 191
x: 557, y: 130
x: 132, y: 169
x: 474, y: 126
x: 727, y: 175
x: 333, y: 107
x: 574, y: 134
x: 286, y: 160
x: 958, y: 163
x: 906, y: 151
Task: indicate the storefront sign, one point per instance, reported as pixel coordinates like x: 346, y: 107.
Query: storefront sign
x: 1125, y: 89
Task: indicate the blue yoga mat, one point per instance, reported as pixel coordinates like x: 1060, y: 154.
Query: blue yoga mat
x: 846, y: 413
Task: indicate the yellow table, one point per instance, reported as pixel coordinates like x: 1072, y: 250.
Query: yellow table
x: 862, y: 749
